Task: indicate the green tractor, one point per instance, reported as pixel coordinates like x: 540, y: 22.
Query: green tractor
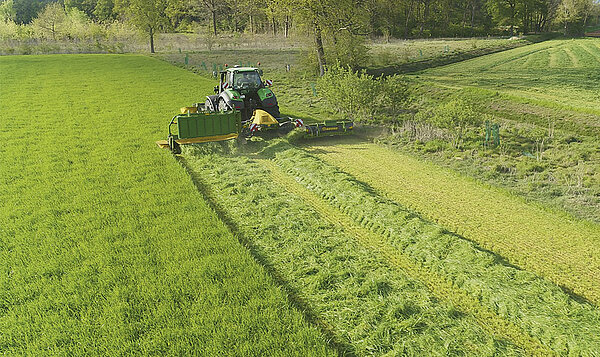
x: 242, y: 106
x: 242, y: 89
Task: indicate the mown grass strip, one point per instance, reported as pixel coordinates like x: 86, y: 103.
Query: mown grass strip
x: 106, y: 246
x: 440, y: 287
x: 370, y: 306
x: 556, y: 246
x: 537, y: 306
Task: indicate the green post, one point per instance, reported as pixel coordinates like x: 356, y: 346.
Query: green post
x: 420, y: 53
x: 204, y: 65
x: 314, y: 89
x: 496, y: 134
x: 187, y: 59
x: 488, y: 134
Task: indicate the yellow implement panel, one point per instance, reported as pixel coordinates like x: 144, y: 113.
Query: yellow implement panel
x: 206, y: 139
x: 186, y: 110
x: 261, y: 117
x: 163, y: 144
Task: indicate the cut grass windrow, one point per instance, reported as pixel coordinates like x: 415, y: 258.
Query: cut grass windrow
x: 553, y: 245
x: 371, y: 306
x: 532, y: 303
x: 441, y: 288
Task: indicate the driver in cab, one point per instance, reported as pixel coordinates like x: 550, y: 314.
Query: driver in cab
x: 245, y: 80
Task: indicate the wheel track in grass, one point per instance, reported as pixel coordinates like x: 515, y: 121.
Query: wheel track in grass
x: 548, y: 243
x: 439, y: 286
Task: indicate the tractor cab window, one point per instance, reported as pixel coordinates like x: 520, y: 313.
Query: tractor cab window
x: 247, y: 80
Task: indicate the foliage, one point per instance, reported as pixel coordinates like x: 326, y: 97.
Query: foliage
x: 7, y: 11
x: 573, y: 14
x: 360, y: 97
x: 51, y: 20
x: 147, y: 15
x: 352, y: 94
x: 456, y: 116
x: 106, y: 244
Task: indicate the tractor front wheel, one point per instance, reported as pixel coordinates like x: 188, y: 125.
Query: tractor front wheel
x: 223, y: 106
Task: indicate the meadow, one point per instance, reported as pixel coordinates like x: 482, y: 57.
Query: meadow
x: 367, y: 265
x: 543, y: 97
x: 106, y: 245
x: 286, y: 247
x: 550, y: 243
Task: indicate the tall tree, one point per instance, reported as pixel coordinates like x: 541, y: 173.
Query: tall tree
x: 573, y: 15
x: 51, y: 19
x: 147, y: 15
x: 504, y: 12
x: 7, y: 11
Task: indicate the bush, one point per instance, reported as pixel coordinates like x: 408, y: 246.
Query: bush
x: 455, y: 116
x: 361, y: 97
x: 350, y: 94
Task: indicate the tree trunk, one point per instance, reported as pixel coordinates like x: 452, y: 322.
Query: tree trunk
x: 151, y: 40
x: 287, y: 26
x: 473, y: 7
x: 408, y: 13
x: 214, y: 18
x: 320, y: 50
x: 274, y: 26
x: 251, y: 24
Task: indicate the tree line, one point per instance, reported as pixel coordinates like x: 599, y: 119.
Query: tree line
x: 338, y: 26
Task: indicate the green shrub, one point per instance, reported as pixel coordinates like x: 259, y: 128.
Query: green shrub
x: 456, y: 116
x: 361, y: 97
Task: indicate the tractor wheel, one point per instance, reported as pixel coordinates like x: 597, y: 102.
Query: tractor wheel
x: 223, y: 106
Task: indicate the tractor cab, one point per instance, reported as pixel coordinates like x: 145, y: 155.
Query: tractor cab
x: 242, y: 89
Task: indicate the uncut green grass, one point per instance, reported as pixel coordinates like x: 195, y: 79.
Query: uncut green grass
x: 370, y: 307
x: 107, y: 248
x: 542, y: 309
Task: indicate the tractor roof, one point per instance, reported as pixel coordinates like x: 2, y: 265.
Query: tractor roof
x: 241, y: 69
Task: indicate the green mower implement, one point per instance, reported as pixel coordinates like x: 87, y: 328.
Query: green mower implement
x: 242, y: 106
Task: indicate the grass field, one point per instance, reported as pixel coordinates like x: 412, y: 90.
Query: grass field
x: 545, y: 98
x: 349, y: 253
x: 336, y: 246
x: 106, y: 245
x: 557, y: 74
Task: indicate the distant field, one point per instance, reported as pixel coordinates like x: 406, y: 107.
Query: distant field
x: 545, y: 98
x: 107, y: 247
x: 557, y: 74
